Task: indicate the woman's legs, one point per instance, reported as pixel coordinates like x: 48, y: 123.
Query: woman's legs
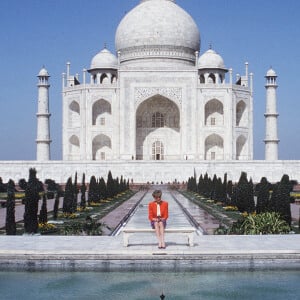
x: 160, y: 233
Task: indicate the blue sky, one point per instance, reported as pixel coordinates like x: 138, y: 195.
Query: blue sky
x: 52, y: 32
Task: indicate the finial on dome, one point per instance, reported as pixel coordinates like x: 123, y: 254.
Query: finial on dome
x: 210, y: 45
x: 105, y: 46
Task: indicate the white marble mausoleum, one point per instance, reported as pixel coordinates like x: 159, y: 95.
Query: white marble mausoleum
x: 159, y: 97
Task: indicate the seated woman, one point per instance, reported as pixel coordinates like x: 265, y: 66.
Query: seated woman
x: 158, y: 214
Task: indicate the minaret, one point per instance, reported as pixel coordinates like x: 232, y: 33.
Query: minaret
x: 43, y: 127
x: 271, y: 140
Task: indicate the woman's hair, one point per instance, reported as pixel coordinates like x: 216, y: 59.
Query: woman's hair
x: 156, y: 193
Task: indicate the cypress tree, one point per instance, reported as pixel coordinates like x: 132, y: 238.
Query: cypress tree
x: 250, y: 198
x: 3, y: 188
x: 273, y: 203
x: 10, y: 223
x: 92, y: 194
x: 110, y: 185
x: 200, y: 185
x: 31, y: 203
x: 284, y: 205
x: 22, y: 184
x: 43, y: 212
x: 56, y: 204
x: 75, y: 194
x: 102, y: 186
x: 68, y: 197
x: 224, y: 189
x: 83, y: 191
x: 242, y: 191
x: 206, y: 187
x: 263, y: 195
x: 213, y: 194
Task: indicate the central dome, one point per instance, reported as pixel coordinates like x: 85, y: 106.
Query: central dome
x: 157, y: 28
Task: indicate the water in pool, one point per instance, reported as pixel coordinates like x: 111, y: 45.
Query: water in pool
x: 150, y: 285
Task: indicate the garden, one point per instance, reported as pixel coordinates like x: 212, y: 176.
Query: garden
x: 245, y: 208
x: 71, y: 213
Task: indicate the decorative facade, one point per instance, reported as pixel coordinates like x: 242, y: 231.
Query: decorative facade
x: 157, y: 98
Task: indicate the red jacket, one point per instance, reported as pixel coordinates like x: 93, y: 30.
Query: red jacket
x: 152, y: 210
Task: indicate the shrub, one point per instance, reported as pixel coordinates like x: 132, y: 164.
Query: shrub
x: 264, y: 223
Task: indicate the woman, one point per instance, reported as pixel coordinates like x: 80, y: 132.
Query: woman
x: 158, y: 215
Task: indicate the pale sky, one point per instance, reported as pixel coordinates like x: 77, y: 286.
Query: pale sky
x: 52, y: 32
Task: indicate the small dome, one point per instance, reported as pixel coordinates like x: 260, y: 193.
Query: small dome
x: 211, y: 60
x: 271, y: 73
x: 43, y: 72
x: 104, y: 60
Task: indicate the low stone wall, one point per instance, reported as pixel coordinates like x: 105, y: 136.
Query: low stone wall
x: 151, y: 171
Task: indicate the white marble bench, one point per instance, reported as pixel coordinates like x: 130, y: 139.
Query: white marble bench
x: 188, y: 231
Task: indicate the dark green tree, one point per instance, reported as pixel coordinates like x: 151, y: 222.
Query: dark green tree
x: 283, y: 199
x: 68, y: 197
x: 43, y: 218
x: 93, y: 191
x: 110, y: 185
x: 22, y: 184
x: 263, y: 195
x: 250, y: 199
x: 51, y: 188
x: 3, y: 187
x: 32, y: 197
x: 229, y: 192
x: 75, y: 194
x: 10, y: 223
x: 83, y: 191
x: 102, y: 188
x: 224, y: 189
x: 56, y: 203
x: 244, y: 194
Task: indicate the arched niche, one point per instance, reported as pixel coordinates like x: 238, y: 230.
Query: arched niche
x: 157, y: 118
x: 241, y: 151
x: 101, y: 108
x: 241, y: 114
x: 74, y: 114
x: 101, y: 147
x: 74, y: 146
x: 214, y: 147
x: 214, y: 113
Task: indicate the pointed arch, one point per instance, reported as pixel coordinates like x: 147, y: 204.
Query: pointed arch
x: 104, y: 79
x: 214, y: 147
x: 202, y: 78
x: 241, y: 148
x: 211, y: 78
x: 101, y: 146
x: 74, y: 147
x: 74, y: 114
x: 214, y: 113
x: 101, y: 108
x: 157, y: 118
x: 241, y: 114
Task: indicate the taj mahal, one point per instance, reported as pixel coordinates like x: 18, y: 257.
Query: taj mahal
x: 158, y: 109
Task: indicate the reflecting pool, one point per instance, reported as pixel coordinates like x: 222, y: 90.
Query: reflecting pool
x: 150, y: 285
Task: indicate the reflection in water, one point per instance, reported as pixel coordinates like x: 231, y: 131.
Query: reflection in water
x: 150, y: 285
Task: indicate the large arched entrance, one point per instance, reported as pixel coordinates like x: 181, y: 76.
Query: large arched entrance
x: 158, y: 130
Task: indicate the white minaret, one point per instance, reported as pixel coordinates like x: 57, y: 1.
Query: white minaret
x: 271, y: 115
x: 43, y: 127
